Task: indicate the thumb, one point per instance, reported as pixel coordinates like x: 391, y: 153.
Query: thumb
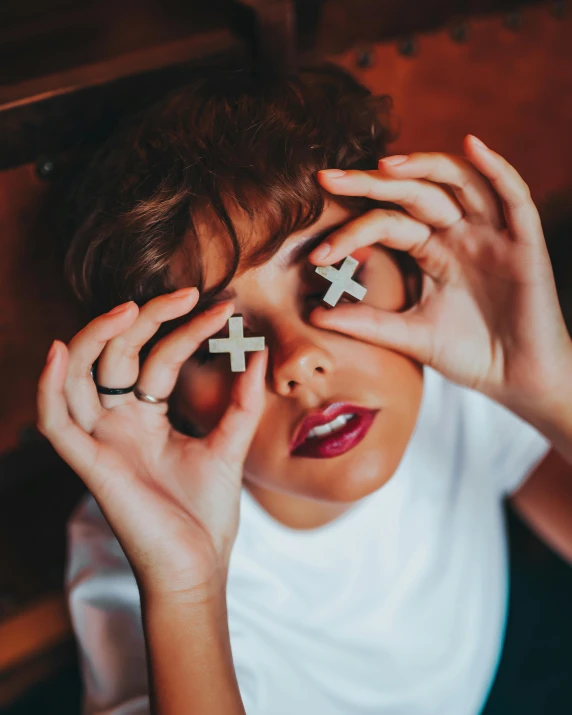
x: 232, y: 437
x: 407, y: 332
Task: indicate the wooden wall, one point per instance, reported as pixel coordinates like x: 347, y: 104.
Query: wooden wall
x: 511, y: 87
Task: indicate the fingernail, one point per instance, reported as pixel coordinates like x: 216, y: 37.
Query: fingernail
x: 120, y: 308
x: 51, y: 353
x: 320, y: 313
x: 394, y: 160
x: 478, y: 142
x: 321, y: 252
x: 183, y: 293
x: 219, y: 308
x: 332, y: 173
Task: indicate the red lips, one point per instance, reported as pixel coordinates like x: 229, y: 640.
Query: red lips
x: 324, y: 416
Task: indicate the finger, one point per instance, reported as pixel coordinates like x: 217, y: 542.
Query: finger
x: 424, y: 200
x: 118, y: 365
x: 72, y: 443
x: 393, y: 230
x: 407, y: 333
x: 520, y: 212
x: 472, y: 190
x: 234, y: 433
x: 161, y: 368
x: 83, y: 349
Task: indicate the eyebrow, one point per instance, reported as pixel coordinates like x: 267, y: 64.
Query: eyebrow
x: 306, y: 245
x: 300, y: 250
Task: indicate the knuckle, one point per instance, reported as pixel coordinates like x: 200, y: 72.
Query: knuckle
x: 377, y: 321
x: 420, y: 248
x: 461, y: 162
x: 76, y: 372
x: 394, y: 215
x: 131, y: 351
x: 519, y: 199
x: 126, y: 348
x: 168, y: 359
x: 414, y: 198
x: 464, y: 181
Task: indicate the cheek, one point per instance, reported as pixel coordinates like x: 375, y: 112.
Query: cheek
x: 264, y: 448
x: 362, y: 254
x: 204, y: 394
x: 386, y: 287
x: 400, y: 384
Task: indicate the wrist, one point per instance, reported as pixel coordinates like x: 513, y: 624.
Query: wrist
x: 552, y: 407
x: 189, y: 652
x: 180, y: 590
x: 543, y: 394
x: 548, y: 408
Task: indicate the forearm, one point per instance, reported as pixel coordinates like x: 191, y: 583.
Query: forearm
x: 544, y: 501
x: 189, y: 656
x: 559, y: 431
x: 553, y: 418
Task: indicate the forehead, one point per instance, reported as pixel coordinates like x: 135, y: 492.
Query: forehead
x: 216, y: 250
x: 300, y: 243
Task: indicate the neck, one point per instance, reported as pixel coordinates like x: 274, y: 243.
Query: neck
x: 295, y: 511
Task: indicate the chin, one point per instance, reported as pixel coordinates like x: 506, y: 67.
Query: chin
x: 367, y: 473
x: 346, y: 478
x: 349, y: 481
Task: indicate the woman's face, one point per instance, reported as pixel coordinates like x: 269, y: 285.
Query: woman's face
x: 310, y: 369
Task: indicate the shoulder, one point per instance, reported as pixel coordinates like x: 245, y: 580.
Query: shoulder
x: 482, y: 432
x: 103, y: 600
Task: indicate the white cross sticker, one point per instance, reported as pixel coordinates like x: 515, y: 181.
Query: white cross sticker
x: 341, y: 281
x: 236, y: 344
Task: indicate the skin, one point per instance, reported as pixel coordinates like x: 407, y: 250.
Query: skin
x: 475, y: 233
x: 309, y: 368
x: 472, y: 227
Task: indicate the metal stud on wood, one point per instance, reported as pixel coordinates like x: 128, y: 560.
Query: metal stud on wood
x: 341, y: 281
x: 236, y: 344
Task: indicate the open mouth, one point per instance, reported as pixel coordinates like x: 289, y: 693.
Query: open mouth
x: 333, y: 431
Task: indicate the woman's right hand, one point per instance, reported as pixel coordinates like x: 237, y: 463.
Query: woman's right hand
x: 172, y: 501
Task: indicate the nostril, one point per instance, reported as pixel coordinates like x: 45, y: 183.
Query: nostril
x: 320, y: 370
x: 291, y: 384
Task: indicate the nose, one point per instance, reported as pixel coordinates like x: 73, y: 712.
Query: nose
x: 299, y: 363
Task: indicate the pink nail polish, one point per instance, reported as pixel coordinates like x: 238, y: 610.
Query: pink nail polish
x: 318, y: 254
x: 219, y: 308
x: 120, y: 308
x: 394, y: 160
x: 332, y: 173
x: 182, y: 293
x: 478, y: 142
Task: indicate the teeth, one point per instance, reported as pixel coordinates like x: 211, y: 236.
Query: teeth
x: 332, y: 426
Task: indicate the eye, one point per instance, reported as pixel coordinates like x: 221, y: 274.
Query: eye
x: 320, y: 285
x: 202, y: 356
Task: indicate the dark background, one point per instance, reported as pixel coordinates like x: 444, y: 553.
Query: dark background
x: 70, y: 70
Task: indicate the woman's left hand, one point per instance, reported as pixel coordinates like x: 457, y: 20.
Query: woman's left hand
x: 488, y: 316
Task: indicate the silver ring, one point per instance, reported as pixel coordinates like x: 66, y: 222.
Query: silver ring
x: 148, y: 398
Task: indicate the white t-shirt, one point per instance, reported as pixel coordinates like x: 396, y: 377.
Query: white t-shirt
x: 397, y: 607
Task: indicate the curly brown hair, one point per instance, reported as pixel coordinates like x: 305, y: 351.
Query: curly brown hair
x: 228, y: 145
